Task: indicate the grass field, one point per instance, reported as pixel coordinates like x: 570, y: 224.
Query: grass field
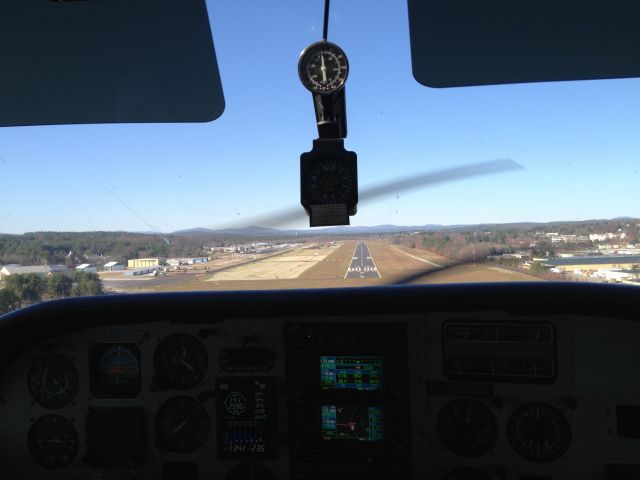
x: 334, y: 266
x: 326, y: 267
x: 287, y: 266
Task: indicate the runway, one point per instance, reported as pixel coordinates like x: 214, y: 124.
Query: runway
x: 362, y: 264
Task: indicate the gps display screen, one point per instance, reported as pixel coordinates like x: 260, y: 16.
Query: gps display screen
x: 351, y: 372
x: 356, y: 423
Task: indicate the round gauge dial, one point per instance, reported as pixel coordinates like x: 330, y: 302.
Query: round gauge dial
x: 539, y: 432
x: 329, y: 181
x: 53, y: 442
x: 467, y: 427
x: 182, y: 425
x: 53, y: 381
x: 250, y: 471
x: 323, y: 68
x: 466, y: 473
x: 180, y: 361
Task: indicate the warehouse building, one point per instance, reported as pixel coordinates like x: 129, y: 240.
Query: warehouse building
x: 87, y: 268
x: 40, y: 270
x: 176, y: 262
x: 112, y: 267
x: 143, y: 263
x: 593, y: 263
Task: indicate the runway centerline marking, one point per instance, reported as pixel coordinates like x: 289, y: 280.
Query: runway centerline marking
x: 362, y: 264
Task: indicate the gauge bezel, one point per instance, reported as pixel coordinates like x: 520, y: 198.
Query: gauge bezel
x: 168, y: 441
x: 466, y: 451
x: 102, y: 386
x: 71, y: 390
x: 160, y: 370
x: 32, y: 438
x: 516, y: 418
x: 310, y: 50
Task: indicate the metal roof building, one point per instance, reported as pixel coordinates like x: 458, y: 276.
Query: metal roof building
x: 42, y: 270
x: 87, y: 267
x: 143, y: 262
x: 595, y: 260
x: 112, y: 266
x: 598, y: 262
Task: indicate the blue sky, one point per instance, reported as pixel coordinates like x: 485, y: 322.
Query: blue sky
x: 578, y: 141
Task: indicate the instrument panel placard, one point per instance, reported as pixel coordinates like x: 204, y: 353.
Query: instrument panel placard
x: 500, y: 351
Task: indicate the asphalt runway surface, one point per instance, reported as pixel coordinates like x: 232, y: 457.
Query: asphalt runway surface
x: 362, y: 264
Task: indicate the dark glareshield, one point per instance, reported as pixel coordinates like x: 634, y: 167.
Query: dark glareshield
x: 470, y: 42
x: 116, y: 61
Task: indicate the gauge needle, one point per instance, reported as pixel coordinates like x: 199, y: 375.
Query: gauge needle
x: 187, y: 364
x: 180, y: 427
x: 323, y: 68
x: 45, y: 373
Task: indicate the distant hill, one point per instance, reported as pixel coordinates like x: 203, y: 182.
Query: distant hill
x: 245, y: 231
x: 274, y: 232
x: 37, y: 248
x: 263, y: 232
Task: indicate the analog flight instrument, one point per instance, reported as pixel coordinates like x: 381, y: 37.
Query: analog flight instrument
x: 467, y: 427
x: 180, y: 361
x: 323, y: 68
x: 329, y: 181
x: 115, y: 370
x: 539, y: 432
x: 53, y: 442
x: 182, y: 425
x: 53, y: 381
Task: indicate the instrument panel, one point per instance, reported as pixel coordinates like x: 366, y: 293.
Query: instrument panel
x: 316, y: 397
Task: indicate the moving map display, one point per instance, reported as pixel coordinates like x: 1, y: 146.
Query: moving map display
x: 359, y: 423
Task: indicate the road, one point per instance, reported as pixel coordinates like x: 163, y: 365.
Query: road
x: 362, y: 264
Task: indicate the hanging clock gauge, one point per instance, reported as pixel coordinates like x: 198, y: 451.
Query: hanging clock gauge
x: 329, y: 183
x: 328, y: 173
x: 323, y: 68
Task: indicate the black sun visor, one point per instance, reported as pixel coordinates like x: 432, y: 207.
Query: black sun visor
x: 483, y: 42
x: 107, y: 61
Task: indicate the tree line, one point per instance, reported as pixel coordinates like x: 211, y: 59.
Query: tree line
x: 39, y: 248
x: 27, y: 289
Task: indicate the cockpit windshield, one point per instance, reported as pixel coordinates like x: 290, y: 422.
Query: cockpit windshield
x: 152, y: 207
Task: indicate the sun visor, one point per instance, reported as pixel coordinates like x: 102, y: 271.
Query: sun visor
x: 107, y: 61
x: 483, y: 42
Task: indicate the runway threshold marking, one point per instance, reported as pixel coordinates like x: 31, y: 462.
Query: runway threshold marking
x: 362, y: 264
